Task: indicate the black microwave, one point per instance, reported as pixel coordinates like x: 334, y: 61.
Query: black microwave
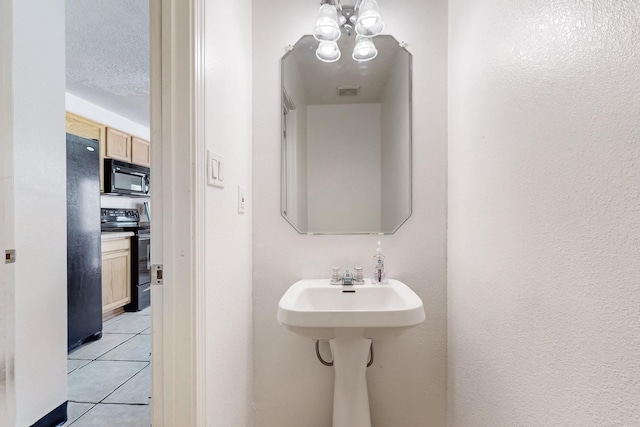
x: 126, y: 179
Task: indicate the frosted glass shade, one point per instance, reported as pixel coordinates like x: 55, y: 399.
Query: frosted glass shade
x: 327, y: 28
x: 369, y: 22
x: 328, y: 52
x: 364, y: 50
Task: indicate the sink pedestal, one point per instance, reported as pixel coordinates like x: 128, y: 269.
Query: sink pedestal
x: 350, y: 397
x: 350, y: 317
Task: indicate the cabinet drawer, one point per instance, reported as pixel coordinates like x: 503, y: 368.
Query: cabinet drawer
x: 115, y: 245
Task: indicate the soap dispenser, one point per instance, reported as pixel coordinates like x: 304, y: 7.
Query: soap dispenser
x: 379, y: 270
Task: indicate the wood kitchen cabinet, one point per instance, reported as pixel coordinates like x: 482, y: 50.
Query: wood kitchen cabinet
x: 116, y: 274
x: 114, y: 143
x: 140, y: 152
x: 131, y: 149
x: 85, y: 128
x: 118, y: 145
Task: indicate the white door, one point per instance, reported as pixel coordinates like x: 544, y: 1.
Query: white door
x: 7, y: 350
x: 6, y: 284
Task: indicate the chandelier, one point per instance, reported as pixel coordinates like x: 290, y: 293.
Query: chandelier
x: 334, y: 19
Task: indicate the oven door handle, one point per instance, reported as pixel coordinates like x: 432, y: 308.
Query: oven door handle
x: 132, y: 173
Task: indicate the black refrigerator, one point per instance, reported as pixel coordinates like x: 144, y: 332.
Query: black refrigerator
x: 84, y: 257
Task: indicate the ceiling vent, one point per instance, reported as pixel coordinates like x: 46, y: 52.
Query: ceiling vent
x: 348, y: 90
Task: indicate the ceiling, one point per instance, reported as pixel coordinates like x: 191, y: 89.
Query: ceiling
x: 107, y: 55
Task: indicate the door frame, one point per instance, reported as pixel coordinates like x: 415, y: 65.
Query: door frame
x: 177, y: 124
x: 177, y: 199
x: 177, y: 110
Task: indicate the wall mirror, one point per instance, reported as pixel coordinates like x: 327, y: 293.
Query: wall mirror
x: 346, y: 139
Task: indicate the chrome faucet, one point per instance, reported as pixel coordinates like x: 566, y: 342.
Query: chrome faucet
x: 347, y: 278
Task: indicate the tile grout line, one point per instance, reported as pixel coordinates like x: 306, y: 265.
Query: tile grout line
x: 96, y: 359
x: 84, y: 413
x: 118, y: 345
x: 126, y: 381
x: 121, y: 385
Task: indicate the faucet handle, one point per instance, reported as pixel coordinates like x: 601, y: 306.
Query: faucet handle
x: 336, y: 277
x: 358, y: 278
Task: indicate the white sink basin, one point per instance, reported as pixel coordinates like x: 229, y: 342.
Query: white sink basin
x: 318, y: 310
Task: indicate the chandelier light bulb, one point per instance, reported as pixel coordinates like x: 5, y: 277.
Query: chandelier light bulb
x: 364, y: 50
x: 327, y: 28
x: 328, y: 52
x: 369, y: 22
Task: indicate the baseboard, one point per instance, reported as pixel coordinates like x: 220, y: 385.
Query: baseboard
x: 54, y: 418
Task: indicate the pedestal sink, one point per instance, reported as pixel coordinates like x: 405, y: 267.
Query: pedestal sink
x: 349, y: 317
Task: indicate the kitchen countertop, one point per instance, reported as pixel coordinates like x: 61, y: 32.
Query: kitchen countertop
x: 110, y: 235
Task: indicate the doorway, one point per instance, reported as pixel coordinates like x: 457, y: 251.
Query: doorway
x: 178, y: 376
x: 107, y: 98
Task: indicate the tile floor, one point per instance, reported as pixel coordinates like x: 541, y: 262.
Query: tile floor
x: 110, y: 379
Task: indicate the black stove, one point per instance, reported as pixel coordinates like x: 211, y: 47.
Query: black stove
x: 113, y: 220
x: 119, y: 219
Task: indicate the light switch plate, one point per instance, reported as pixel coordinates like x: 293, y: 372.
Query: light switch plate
x: 242, y: 199
x: 215, y: 169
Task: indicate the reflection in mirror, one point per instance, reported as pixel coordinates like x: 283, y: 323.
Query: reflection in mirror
x: 346, y: 139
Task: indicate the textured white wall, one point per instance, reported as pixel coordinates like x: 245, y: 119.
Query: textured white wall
x: 40, y: 186
x: 343, y: 189
x: 544, y: 213
x: 228, y: 234
x: 407, y: 383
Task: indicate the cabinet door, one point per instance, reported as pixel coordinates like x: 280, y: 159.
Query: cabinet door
x: 85, y: 128
x: 140, y: 152
x: 118, y: 145
x: 116, y: 274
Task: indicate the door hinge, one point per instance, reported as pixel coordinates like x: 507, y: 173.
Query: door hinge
x: 156, y: 274
x: 9, y: 256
